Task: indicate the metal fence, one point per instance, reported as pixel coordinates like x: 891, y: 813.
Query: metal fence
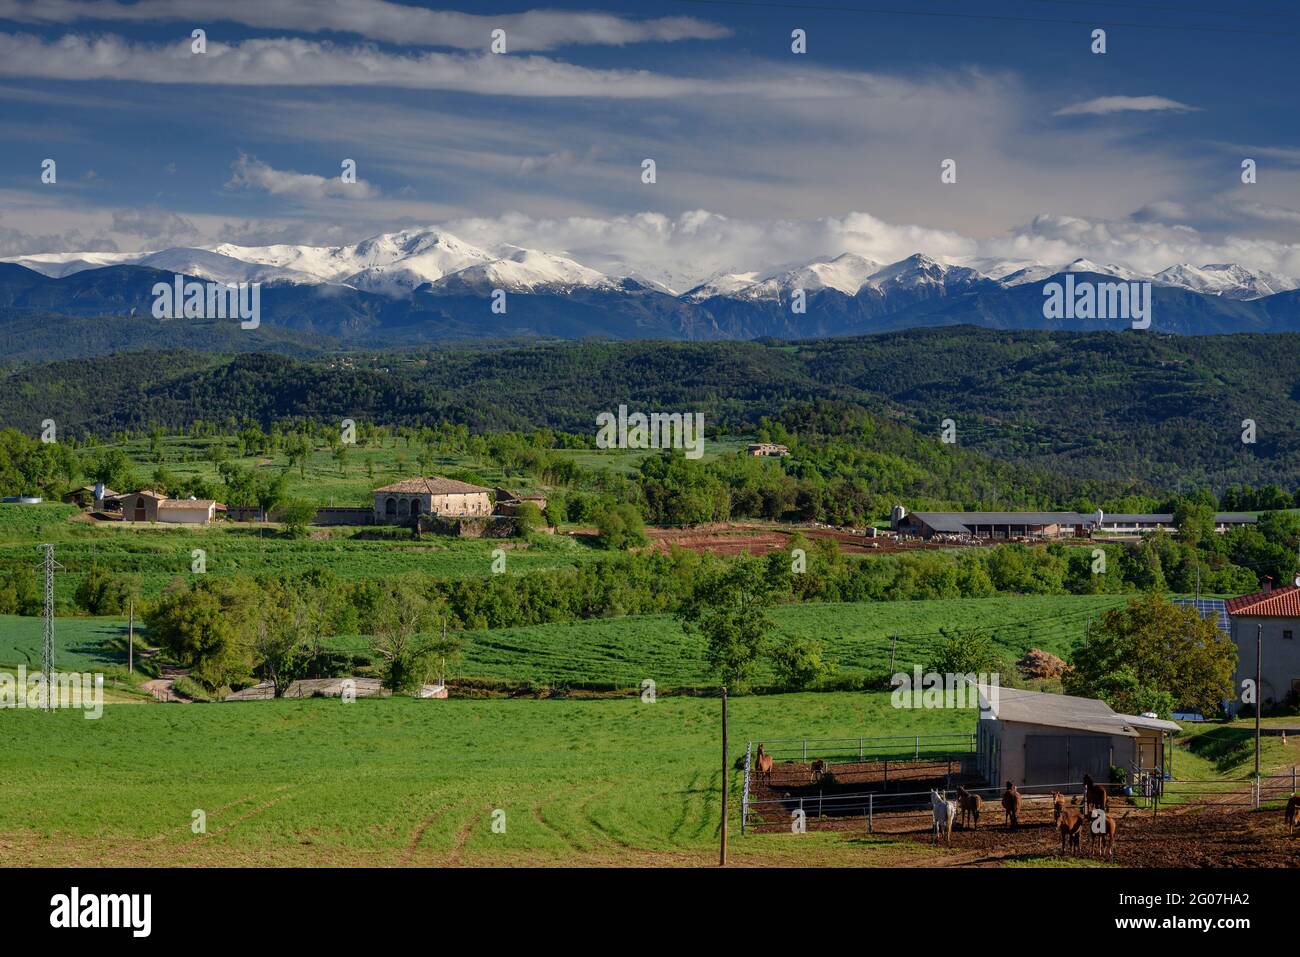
x: 1223, y: 795
x: 909, y: 751
x: 878, y: 748
x: 870, y: 804
x: 1243, y: 793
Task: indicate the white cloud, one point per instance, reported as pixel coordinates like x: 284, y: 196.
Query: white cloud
x: 298, y: 62
x: 381, y: 20
x: 251, y: 173
x: 1105, y: 105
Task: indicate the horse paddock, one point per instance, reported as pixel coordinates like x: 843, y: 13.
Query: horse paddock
x: 1220, y: 829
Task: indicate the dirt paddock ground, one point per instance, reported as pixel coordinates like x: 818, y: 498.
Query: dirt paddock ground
x: 758, y: 539
x: 1197, y: 834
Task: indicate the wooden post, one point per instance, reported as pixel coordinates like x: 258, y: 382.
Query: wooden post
x: 130, y: 640
x: 722, y: 851
x: 871, y: 814
x: 893, y: 647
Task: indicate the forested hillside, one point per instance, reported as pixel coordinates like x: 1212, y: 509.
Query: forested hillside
x: 1123, y: 409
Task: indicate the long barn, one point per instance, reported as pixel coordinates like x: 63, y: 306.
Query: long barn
x: 1008, y: 525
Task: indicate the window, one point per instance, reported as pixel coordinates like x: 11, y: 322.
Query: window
x: 1288, y: 634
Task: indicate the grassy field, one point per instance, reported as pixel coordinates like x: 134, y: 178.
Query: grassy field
x: 393, y: 782
x: 399, y: 781
x: 156, y: 554
x: 80, y: 644
x: 621, y: 652
x: 324, y: 482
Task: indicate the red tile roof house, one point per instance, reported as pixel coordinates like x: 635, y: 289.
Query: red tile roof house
x: 1277, y: 612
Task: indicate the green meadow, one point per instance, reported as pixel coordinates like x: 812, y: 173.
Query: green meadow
x: 398, y: 781
x: 622, y: 652
x: 157, y: 554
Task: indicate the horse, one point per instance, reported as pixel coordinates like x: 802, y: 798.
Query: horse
x: 970, y: 806
x: 1058, y: 806
x: 818, y: 769
x: 764, y: 765
x: 1011, y: 806
x: 942, y: 812
x: 1094, y: 795
x: 1103, y: 839
x: 1069, y: 824
x: 1292, y: 814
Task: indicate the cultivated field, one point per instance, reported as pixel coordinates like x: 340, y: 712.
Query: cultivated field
x: 619, y: 653
x: 396, y: 782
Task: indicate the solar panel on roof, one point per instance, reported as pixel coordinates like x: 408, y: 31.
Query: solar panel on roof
x: 1215, y: 608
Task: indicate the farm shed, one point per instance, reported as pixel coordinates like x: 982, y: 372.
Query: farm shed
x: 1042, y: 739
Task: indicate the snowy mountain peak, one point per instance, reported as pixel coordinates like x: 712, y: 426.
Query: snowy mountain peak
x: 1227, y: 280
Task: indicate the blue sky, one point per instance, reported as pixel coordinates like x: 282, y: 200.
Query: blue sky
x: 763, y: 156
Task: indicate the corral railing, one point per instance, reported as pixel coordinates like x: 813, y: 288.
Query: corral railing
x: 896, y: 748
x: 1246, y: 792
x: 870, y: 804
x: 907, y: 749
x: 1233, y: 794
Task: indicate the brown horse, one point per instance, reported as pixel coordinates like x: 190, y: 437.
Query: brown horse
x: 970, y: 806
x: 1292, y: 814
x: 1011, y: 806
x: 764, y: 765
x: 1058, y: 806
x: 1103, y: 840
x: 818, y: 769
x: 1094, y: 795
x: 1069, y: 825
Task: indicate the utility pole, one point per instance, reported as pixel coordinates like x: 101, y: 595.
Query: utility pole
x: 1198, y: 582
x: 893, y: 647
x: 1087, y: 631
x: 130, y: 640
x: 47, y: 625
x: 722, y: 851
x: 1259, y: 694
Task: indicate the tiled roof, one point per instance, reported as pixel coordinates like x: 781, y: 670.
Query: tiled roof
x: 186, y: 503
x: 1278, y: 603
x: 432, y: 486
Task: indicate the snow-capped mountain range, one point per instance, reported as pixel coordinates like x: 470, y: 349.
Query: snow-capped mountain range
x: 427, y: 285
x: 395, y: 264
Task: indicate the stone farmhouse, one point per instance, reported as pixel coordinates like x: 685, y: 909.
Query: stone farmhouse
x: 411, y: 498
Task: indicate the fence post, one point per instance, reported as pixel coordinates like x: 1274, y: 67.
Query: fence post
x: 859, y: 749
x: 886, y: 775
x: 819, y: 805
x: 744, y: 800
x: 918, y: 747
x: 871, y: 814
x: 805, y: 749
x: 1293, y: 776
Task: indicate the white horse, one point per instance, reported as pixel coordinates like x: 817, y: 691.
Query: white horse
x: 942, y: 812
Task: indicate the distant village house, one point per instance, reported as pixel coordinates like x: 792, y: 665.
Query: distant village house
x: 767, y: 449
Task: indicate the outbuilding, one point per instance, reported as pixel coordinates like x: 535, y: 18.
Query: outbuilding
x: 1037, y: 739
